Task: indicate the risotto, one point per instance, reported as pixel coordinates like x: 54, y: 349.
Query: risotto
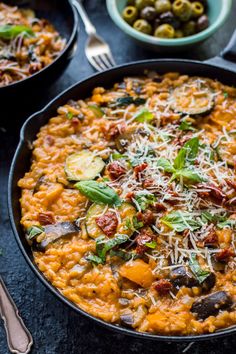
x: 129, y: 204
x: 27, y: 44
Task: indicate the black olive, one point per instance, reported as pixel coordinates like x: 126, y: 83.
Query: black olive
x: 202, y: 23
x: 211, y: 305
x: 170, y: 19
x: 156, y: 24
x: 148, y: 13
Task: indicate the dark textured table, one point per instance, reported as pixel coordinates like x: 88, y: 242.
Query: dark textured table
x: 55, y: 328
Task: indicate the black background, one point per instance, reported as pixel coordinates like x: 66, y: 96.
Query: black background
x: 55, y: 328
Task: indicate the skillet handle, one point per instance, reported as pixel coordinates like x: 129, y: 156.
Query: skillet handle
x: 227, y: 58
x: 18, y: 337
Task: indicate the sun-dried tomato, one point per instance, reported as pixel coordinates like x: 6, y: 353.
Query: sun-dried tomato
x: 163, y: 286
x: 115, y: 170
x: 108, y: 223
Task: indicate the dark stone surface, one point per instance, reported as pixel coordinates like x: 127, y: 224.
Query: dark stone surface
x: 55, y: 328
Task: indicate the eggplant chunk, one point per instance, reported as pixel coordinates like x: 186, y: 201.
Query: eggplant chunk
x: 182, y: 277
x: 55, y: 231
x: 210, y: 305
x: 127, y: 319
x: 209, y: 283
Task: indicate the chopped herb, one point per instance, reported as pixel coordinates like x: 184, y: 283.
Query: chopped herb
x: 69, y: 115
x: 152, y: 244
x: 94, y: 259
x: 144, y: 116
x: 98, y: 192
x: 144, y: 200
x: 103, y: 246
x: 226, y: 95
x: 199, y: 273
x: 188, y: 175
x: 34, y: 231
x: 127, y: 100
x: 185, y: 126
x: 187, y: 153
x: 226, y: 223
x: 126, y: 256
x: 98, y: 112
x: 166, y: 165
x: 180, y: 221
x: 117, y: 156
x: 12, y: 31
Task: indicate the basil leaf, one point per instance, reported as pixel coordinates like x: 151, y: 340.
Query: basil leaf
x: 144, y: 116
x: 206, y: 216
x: 144, y: 200
x: 12, y: 31
x: 199, y: 273
x: 94, y: 259
x: 187, y: 153
x: 117, y: 156
x: 226, y: 223
x: 152, y: 244
x: 98, y: 192
x: 127, y: 100
x: 34, y: 231
x: 180, y: 221
x: 166, y: 165
x: 69, y: 115
x: 126, y: 256
x: 186, y: 126
x: 102, y: 246
x: 187, y: 175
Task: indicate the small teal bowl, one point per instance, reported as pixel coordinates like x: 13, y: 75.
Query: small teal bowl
x: 218, y: 11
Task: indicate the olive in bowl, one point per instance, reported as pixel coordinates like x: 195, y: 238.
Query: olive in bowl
x: 169, y: 25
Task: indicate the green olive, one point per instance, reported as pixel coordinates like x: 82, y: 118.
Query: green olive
x: 182, y: 9
x: 179, y: 34
x: 142, y: 26
x: 197, y: 9
x: 189, y: 28
x: 140, y: 4
x: 162, y: 6
x: 130, y: 2
x: 148, y: 13
x: 130, y: 14
x: 165, y: 31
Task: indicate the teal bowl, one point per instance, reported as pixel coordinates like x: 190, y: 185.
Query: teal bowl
x: 218, y: 11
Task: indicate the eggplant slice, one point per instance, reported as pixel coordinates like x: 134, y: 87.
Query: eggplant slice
x: 54, y: 232
x: 211, y: 305
x: 193, y: 98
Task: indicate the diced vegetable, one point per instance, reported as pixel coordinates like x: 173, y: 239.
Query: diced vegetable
x: 193, y: 98
x: 83, y: 166
x: 98, y: 112
x: 137, y: 271
x: 126, y: 212
x: 98, y: 192
x: 54, y: 232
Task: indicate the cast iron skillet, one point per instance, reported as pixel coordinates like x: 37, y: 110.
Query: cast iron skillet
x: 21, y: 161
x: 62, y: 14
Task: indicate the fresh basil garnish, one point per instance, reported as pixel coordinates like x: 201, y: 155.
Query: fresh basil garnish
x: 151, y: 244
x: 127, y: 100
x: 12, y: 31
x: 226, y: 223
x: 166, y: 165
x: 94, y: 259
x: 144, y: 116
x: 144, y: 200
x: 180, y: 221
x: 34, y: 231
x: 103, y: 246
x: 98, y: 192
x: 98, y: 112
x: 188, y: 175
x: 187, y: 153
x: 200, y: 274
x: 126, y: 256
x: 186, y: 126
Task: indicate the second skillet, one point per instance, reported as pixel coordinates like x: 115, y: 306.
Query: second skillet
x: 21, y: 161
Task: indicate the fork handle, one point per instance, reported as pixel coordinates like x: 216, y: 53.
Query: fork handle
x: 18, y: 337
x: 89, y: 27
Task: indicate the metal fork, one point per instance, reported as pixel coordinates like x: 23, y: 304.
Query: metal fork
x: 97, y: 50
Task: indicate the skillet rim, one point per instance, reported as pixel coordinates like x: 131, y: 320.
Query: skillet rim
x: 34, y: 268
x: 69, y: 43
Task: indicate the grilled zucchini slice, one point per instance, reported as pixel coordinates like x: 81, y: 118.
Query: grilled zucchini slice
x: 193, y: 98
x: 83, y: 166
x: 126, y: 212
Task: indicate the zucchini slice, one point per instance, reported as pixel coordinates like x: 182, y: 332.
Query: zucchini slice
x: 83, y: 166
x: 126, y: 212
x: 193, y: 98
